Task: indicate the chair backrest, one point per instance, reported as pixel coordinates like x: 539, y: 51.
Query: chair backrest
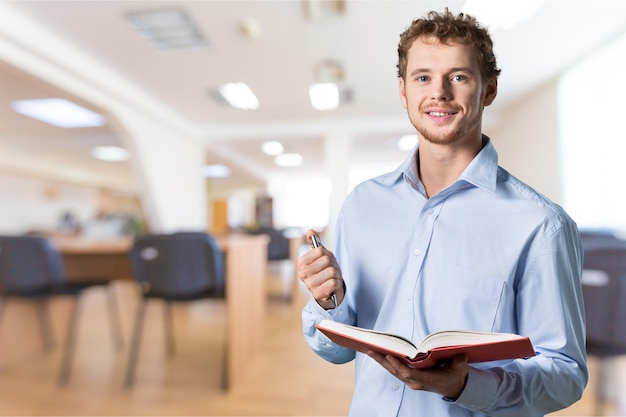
x: 278, y: 246
x: 592, y: 239
x: 28, y: 263
x: 604, y: 293
x: 178, y: 265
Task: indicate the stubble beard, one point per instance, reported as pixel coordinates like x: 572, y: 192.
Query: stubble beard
x: 445, y: 135
x: 440, y: 137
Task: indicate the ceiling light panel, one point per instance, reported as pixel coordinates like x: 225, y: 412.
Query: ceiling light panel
x: 58, y: 112
x: 289, y: 160
x: 216, y: 171
x: 110, y: 153
x: 272, y: 148
x: 324, y: 96
x: 239, y: 96
x: 168, y: 29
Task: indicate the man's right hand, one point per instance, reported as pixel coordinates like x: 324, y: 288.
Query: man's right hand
x: 320, y: 272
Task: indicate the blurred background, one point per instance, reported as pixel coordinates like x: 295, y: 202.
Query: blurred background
x: 168, y: 144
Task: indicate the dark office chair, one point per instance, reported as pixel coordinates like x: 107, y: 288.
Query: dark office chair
x: 179, y: 267
x: 604, y: 291
x: 31, y: 268
x: 278, y: 245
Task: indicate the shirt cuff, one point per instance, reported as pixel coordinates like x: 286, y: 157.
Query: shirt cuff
x: 339, y: 313
x: 480, y: 390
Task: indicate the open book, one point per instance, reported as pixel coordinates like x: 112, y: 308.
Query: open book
x: 434, y: 348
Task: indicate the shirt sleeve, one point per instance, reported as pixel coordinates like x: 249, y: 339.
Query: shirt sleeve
x: 312, y: 314
x: 550, y: 311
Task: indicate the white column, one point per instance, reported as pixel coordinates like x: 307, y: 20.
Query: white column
x: 337, y: 154
x: 168, y: 166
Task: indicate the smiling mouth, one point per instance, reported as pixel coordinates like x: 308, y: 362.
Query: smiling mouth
x: 440, y: 114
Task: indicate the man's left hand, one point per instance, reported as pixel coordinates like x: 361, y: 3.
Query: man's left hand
x: 448, y: 380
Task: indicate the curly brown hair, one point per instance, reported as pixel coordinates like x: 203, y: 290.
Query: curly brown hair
x: 448, y: 27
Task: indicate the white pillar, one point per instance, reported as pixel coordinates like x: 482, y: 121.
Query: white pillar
x: 337, y: 153
x: 168, y: 166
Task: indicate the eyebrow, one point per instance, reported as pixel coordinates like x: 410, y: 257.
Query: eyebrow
x: 455, y: 69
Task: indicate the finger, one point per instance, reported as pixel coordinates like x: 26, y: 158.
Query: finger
x: 309, y: 234
x: 384, y: 361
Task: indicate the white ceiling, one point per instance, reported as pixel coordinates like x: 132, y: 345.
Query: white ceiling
x: 92, y: 40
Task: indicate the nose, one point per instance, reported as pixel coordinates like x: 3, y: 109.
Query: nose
x: 441, y: 89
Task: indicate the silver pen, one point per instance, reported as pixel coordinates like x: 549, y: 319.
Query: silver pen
x: 316, y: 242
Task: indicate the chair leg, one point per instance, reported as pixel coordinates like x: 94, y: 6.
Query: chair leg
x: 44, y: 324
x: 169, y: 328
x: 134, y: 343
x: 225, y: 381
x: 70, y: 343
x: 598, y: 406
x: 114, y: 319
x: 2, y: 303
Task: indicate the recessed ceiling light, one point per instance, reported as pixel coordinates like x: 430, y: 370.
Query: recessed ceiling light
x: 58, y: 112
x: 239, y: 96
x: 110, y: 153
x: 216, y: 171
x: 407, y: 142
x: 286, y: 160
x: 167, y: 29
x: 324, y: 96
x: 272, y: 148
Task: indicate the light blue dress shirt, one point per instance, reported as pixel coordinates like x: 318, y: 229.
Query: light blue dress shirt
x: 487, y: 253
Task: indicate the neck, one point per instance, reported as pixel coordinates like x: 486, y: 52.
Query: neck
x: 439, y: 166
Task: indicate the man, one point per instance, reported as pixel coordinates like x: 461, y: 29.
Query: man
x: 451, y: 240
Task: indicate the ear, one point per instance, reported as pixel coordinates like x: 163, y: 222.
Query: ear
x: 491, y: 90
x: 402, y: 90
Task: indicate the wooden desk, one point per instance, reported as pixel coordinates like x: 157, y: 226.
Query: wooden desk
x: 86, y: 259
x: 246, y: 297
x: 295, y: 244
x: 246, y: 294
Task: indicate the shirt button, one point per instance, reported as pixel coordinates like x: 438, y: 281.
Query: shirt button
x: 417, y: 252
x: 430, y: 211
x: 395, y: 387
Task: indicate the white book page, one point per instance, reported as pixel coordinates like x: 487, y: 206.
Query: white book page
x: 462, y: 337
x: 386, y: 340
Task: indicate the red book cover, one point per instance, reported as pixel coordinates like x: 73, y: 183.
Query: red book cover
x: 435, y: 348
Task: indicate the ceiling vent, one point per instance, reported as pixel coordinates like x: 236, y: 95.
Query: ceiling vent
x: 167, y: 29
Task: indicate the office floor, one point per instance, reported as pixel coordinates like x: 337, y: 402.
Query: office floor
x: 286, y: 380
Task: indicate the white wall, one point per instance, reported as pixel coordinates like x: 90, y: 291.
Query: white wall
x: 527, y: 141
x: 593, y: 137
x: 300, y: 201
x: 28, y: 204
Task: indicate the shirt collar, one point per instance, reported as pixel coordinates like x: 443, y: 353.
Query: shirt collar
x: 482, y: 172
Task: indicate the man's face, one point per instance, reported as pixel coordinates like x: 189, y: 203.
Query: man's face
x: 444, y: 93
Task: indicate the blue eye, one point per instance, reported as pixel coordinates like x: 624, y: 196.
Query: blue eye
x: 459, y: 78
